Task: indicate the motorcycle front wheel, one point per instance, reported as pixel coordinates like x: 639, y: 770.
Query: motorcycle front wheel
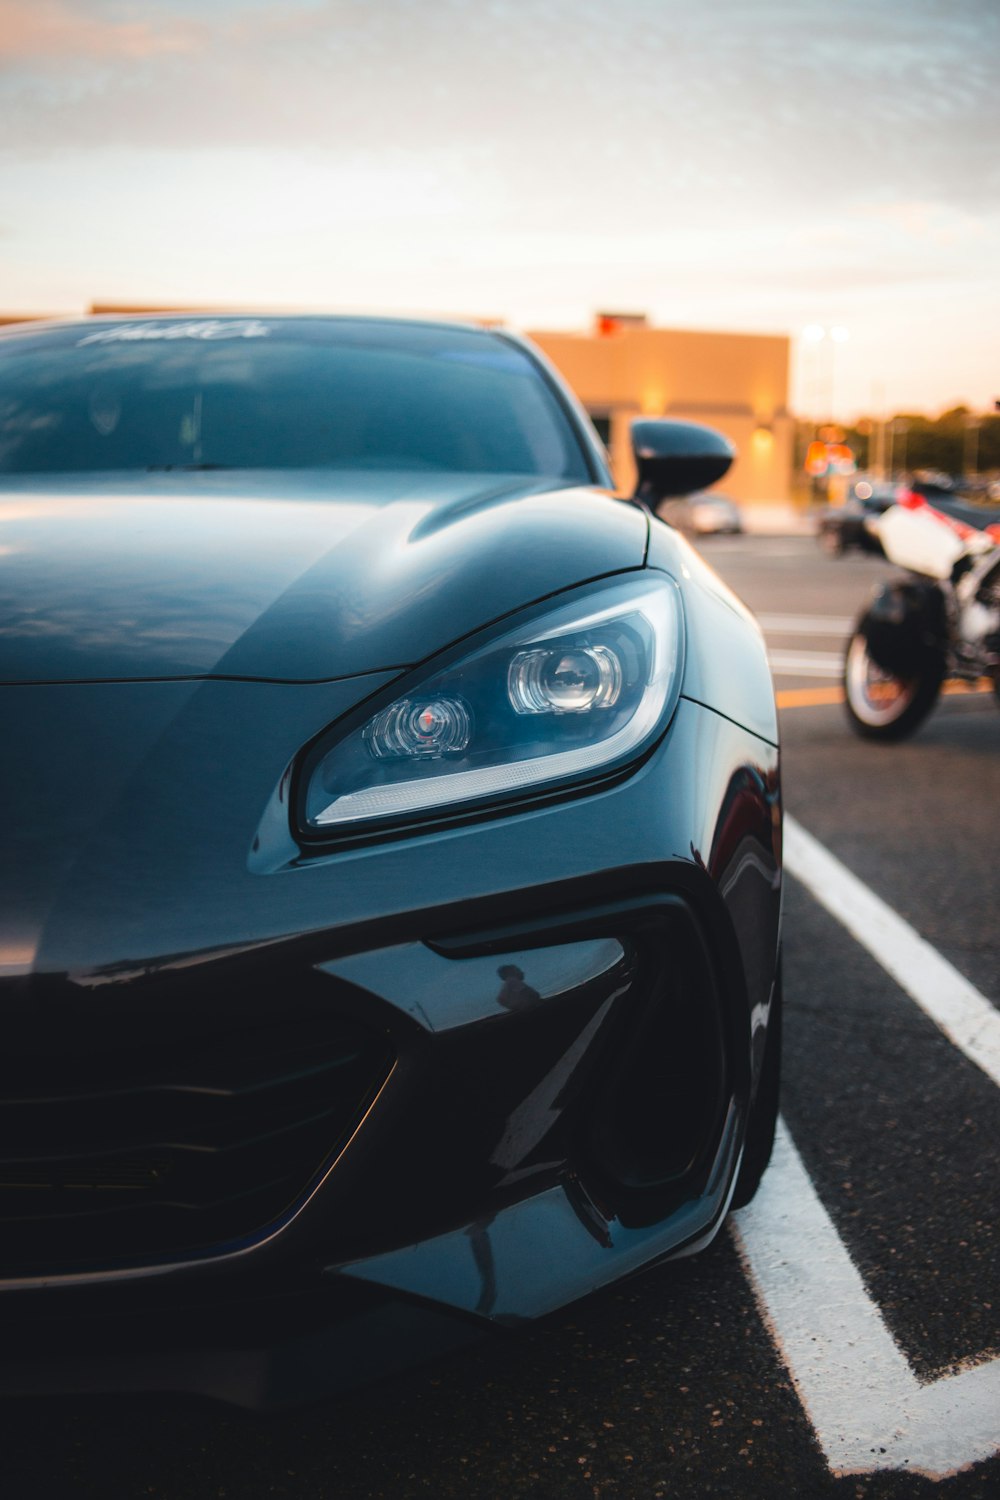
x: 881, y: 706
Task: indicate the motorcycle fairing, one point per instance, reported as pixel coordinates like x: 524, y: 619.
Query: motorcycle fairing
x: 905, y: 627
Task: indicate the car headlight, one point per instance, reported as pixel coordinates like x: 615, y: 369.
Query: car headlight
x: 571, y: 694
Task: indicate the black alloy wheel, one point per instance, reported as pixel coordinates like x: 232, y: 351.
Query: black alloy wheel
x: 764, y: 1116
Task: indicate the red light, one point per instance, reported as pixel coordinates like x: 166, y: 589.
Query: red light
x: 816, y: 459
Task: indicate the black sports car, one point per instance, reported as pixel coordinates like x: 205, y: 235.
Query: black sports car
x: 391, y: 853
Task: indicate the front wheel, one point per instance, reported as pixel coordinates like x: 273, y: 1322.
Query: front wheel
x: 764, y: 1116
x: 881, y: 706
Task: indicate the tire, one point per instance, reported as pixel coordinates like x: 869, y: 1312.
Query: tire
x: 764, y: 1115
x: 881, y: 706
x: 831, y: 541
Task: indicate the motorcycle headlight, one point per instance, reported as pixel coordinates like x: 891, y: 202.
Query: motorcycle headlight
x: 571, y: 694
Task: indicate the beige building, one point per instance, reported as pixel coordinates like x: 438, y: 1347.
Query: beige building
x: 736, y: 382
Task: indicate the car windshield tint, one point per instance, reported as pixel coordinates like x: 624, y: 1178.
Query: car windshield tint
x: 272, y: 394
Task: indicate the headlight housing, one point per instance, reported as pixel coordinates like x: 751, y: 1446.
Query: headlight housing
x: 573, y: 693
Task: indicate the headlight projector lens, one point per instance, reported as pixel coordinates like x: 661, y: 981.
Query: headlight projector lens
x: 564, y: 681
x: 436, y: 726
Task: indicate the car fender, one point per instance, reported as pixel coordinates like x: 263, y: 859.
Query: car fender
x: 726, y: 667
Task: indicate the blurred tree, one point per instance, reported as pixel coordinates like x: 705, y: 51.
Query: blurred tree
x: 949, y: 442
x: 859, y: 440
x: 989, y: 445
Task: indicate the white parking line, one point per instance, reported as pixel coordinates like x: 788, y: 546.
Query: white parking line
x: 963, y: 1014
x: 867, y: 1407
x: 805, y: 625
x: 790, y: 662
x: 806, y: 663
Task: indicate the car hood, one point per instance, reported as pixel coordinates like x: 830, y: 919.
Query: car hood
x: 288, y: 577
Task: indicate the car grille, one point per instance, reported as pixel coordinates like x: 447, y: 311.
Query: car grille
x: 132, y: 1158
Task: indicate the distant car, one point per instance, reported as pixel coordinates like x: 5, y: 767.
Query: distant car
x: 850, y: 525
x: 702, y: 514
x: 393, y: 853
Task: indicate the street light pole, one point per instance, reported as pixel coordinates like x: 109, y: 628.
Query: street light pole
x: 826, y: 398
x: 899, y: 425
x: 819, y: 333
x: 970, y: 449
x: 838, y: 335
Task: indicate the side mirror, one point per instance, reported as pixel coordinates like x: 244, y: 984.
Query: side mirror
x: 676, y: 458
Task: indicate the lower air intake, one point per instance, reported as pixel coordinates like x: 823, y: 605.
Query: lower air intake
x: 139, y: 1156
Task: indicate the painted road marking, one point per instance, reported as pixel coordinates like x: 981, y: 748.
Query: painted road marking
x: 808, y: 697
x: 805, y: 625
x: 867, y: 1407
x: 806, y: 663
x: 964, y: 1015
x: 957, y: 685
x: 821, y: 697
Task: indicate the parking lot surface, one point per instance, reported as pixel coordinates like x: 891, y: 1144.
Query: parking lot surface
x: 843, y: 1336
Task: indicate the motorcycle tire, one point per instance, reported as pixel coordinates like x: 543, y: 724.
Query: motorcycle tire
x: 764, y: 1118
x: 881, y: 706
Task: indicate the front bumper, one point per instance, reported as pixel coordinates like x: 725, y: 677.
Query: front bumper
x: 558, y: 1048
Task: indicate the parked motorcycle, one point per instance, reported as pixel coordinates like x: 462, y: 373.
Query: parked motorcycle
x: 943, y: 620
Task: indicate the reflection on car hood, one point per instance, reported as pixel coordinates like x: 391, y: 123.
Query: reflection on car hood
x: 296, y: 576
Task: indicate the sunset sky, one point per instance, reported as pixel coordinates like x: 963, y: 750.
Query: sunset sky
x: 715, y: 164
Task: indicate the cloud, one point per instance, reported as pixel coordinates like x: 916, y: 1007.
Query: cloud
x: 53, y: 32
x: 726, y: 103
x: 329, y: 149
x: 929, y: 221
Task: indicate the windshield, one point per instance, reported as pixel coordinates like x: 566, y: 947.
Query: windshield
x: 260, y: 393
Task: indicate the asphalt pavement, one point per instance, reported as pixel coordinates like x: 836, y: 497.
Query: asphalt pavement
x: 842, y: 1338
